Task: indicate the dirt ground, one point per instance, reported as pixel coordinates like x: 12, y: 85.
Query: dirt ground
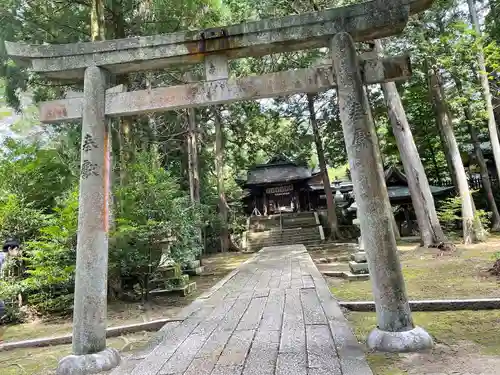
x: 42, y: 361
x: 467, y: 342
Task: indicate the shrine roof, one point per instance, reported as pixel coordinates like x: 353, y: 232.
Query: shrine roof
x: 275, y: 174
x: 402, y: 194
x: 396, y: 181
x: 278, y: 169
x: 343, y: 186
x: 395, y: 177
x: 365, y: 21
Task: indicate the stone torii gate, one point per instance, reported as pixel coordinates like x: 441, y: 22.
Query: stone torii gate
x: 96, y: 63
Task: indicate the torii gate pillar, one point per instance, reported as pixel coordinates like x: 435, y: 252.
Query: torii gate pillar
x: 90, y: 308
x: 395, y: 331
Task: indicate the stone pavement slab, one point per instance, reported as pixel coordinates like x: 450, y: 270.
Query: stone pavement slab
x: 274, y: 315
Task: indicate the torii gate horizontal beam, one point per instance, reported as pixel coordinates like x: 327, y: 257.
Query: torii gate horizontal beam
x: 225, y: 91
x: 366, y: 21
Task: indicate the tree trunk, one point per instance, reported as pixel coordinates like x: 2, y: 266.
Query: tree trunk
x: 447, y: 154
x: 219, y: 170
x: 472, y: 229
x: 333, y: 228
x: 485, y: 177
x: 125, y: 148
x: 431, y: 233
x: 192, y: 147
x: 125, y: 123
x: 394, y: 225
x: 446, y: 148
x: 97, y: 30
x: 194, y: 179
x: 483, y: 74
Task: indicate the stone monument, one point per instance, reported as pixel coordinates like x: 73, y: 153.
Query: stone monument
x: 97, y: 62
x: 359, y: 263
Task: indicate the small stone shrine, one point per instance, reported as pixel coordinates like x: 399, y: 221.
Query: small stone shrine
x: 170, y: 279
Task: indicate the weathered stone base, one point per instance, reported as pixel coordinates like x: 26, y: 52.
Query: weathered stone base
x: 192, y: 265
x: 359, y: 257
x: 194, y: 271
x: 349, y: 276
x: 182, y: 290
x: 106, y: 360
x: 358, y: 268
x: 414, y: 340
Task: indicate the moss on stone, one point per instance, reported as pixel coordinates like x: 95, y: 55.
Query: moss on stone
x: 430, y: 275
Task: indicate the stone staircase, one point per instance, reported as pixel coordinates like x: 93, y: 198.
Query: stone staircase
x: 287, y: 229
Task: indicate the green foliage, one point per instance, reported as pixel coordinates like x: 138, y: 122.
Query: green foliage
x: 18, y: 218
x: 50, y: 259
x: 153, y: 212
x: 36, y: 174
x: 449, y: 214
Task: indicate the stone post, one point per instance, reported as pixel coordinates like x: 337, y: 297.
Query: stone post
x: 90, y: 308
x: 358, y: 264
x: 395, y: 331
x: 361, y: 244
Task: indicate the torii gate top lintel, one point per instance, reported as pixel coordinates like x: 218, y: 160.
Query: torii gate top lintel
x: 366, y: 21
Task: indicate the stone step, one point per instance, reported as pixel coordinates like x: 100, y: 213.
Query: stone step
x: 182, y: 291
x: 284, y: 215
x: 286, y: 231
x: 280, y: 237
x: 253, y: 248
x: 286, y: 235
x: 285, y: 240
x: 347, y: 275
x: 299, y: 222
x: 358, y: 268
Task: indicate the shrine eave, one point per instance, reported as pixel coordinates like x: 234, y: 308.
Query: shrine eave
x: 401, y: 194
x: 365, y: 21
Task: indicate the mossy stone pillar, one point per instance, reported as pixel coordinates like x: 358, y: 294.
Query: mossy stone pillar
x: 91, y: 281
x: 396, y: 331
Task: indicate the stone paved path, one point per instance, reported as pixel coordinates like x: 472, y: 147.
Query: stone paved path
x: 274, y: 315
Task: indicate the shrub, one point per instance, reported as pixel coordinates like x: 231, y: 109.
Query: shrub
x: 51, y: 258
x: 450, y: 210
x: 153, y: 213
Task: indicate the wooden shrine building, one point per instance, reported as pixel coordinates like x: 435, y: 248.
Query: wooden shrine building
x: 281, y: 185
